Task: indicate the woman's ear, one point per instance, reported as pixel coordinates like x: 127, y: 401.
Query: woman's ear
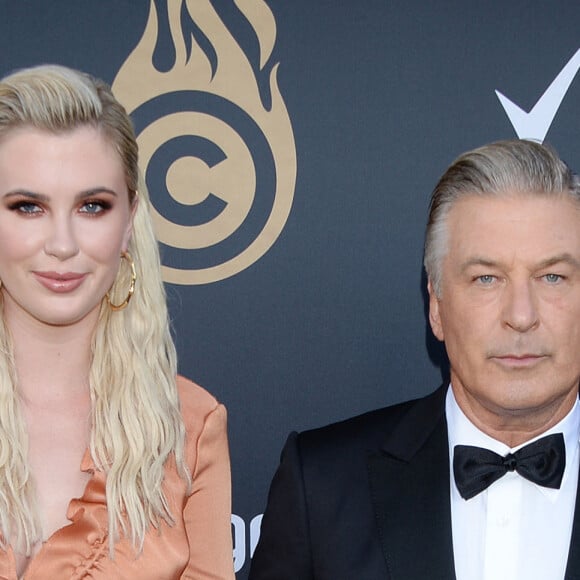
x: 129, y: 228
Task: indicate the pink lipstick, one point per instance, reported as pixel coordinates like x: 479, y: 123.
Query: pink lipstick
x: 60, y: 283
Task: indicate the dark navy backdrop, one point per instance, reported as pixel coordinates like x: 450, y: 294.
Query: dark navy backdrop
x: 382, y: 96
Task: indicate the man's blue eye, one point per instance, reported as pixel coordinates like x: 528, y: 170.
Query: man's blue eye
x: 486, y: 279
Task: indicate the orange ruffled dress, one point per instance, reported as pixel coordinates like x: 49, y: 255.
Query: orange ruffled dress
x: 198, y: 546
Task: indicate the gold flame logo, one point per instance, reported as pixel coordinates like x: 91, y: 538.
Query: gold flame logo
x: 206, y: 147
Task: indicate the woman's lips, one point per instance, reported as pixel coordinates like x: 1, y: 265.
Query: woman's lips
x: 60, y: 282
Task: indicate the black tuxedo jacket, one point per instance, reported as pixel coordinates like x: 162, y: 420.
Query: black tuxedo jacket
x: 367, y: 499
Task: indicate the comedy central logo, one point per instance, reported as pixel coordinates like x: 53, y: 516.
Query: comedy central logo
x: 216, y: 144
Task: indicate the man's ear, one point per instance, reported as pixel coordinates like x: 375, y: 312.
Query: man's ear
x: 434, y: 312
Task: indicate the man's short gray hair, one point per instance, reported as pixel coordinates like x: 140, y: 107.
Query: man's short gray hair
x: 515, y: 166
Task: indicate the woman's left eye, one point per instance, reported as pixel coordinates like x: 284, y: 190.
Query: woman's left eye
x: 94, y: 207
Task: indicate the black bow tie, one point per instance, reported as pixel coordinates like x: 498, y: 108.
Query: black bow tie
x: 541, y: 462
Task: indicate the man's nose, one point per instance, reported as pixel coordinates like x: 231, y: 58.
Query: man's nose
x: 520, y: 308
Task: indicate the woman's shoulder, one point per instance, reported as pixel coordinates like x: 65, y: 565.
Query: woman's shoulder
x: 196, y: 403
x: 205, y: 421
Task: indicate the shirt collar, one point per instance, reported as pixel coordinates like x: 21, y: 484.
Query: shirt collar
x: 461, y: 431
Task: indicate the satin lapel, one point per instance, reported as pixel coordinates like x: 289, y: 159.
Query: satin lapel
x: 410, y: 489
x: 573, y: 566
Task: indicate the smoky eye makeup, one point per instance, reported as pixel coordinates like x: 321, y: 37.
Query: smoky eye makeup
x: 23, y: 202
x: 95, y: 206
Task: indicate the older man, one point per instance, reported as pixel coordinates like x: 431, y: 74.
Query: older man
x: 479, y: 480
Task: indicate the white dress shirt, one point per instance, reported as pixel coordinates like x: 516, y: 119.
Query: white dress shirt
x: 515, y: 529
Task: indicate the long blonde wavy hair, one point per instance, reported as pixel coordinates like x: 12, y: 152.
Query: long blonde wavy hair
x: 136, y: 424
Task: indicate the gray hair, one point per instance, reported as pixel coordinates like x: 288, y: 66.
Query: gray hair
x: 499, y: 168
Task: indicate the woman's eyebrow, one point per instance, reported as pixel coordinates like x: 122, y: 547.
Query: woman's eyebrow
x: 45, y: 198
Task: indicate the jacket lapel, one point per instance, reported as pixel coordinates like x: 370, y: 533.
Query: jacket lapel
x: 410, y: 489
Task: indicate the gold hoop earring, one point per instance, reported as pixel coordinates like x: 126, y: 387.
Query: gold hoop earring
x: 116, y: 307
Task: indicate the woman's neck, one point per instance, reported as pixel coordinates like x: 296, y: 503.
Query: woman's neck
x: 51, y: 361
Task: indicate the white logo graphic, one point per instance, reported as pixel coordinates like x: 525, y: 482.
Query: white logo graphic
x: 535, y: 124
x: 239, y: 533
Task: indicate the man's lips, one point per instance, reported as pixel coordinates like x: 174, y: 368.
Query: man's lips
x: 519, y: 360
x: 60, y: 282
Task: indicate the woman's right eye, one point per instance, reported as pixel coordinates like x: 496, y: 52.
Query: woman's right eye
x: 25, y: 207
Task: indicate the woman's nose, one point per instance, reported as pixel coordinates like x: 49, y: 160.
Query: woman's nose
x: 61, y: 241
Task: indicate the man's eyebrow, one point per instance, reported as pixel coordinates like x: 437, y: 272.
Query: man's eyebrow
x: 478, y: 261
x: 564, y: 258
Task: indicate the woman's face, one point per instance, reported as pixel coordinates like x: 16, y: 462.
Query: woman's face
x: 65, y: 218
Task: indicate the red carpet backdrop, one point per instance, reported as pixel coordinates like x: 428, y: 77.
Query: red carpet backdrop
x: 290, y: 148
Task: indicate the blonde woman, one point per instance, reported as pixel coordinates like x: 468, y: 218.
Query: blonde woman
x: 111, y: 467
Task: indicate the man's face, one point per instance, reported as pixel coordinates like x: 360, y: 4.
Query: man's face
x: 509, y: 310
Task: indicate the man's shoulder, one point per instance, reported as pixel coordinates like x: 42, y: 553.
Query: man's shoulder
x: 368, y: 430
